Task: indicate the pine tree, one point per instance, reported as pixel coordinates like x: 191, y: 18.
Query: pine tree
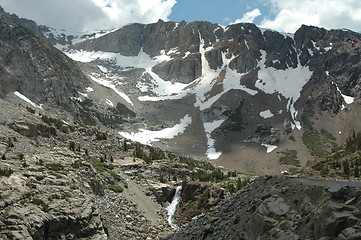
x: 346, y: 168
x: 356, y: 172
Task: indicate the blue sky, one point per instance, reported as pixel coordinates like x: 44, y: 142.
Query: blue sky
x: 280, y: 15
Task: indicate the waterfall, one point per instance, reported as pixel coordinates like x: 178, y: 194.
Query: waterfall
x: 172, y: 207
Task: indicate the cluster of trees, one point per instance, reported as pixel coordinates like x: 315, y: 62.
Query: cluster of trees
x: 148, y: 153
x: 353, y: 143
x: 344, y: 160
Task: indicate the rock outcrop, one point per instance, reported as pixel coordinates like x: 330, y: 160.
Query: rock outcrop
x: 282, y: 208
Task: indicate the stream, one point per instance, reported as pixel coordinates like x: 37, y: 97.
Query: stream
x: 172, y: 206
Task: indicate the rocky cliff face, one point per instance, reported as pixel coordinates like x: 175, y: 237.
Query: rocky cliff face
x: 34, y: 68
x: 237, y: 83
x: 281, y: 208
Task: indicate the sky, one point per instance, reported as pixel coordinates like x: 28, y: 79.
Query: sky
x: 280, y: 15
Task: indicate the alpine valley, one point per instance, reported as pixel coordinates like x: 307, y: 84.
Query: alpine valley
x: 98, y: 129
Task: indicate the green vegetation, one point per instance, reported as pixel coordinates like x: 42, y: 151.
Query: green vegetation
x: 122, y: 110
x: 235, y: 120
x: 318, y: 142
x: 292, y: 138
x: 114, y: 175
x: 148, y: 153
x: 54, y: 166
x: 41, y: 203
x: 344, y: 161
x: 100, y: 165
x: 30, y: 110
x: 52, y: 121
x: 101, y: 135
x: 114, y: 188
x: 290, y: 158
x: 5, y: 172
x: 72, y: 146
x: 263, y: 131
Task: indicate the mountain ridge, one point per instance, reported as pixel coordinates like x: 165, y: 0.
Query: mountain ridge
x: 151, y: 68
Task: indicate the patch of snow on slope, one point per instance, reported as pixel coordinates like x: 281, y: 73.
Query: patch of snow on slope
x: 77, y: 36
x: 209, y: 127
x: 231, y: 82
x: 270, y: 148
x: 143, y: 60
x: 110, y: 85
x: 288, y: 83
x: 110, y: 103
x: 205, y: 83
x: 186, y: 54
x: 147, y: 137
x: 162, y: 87
x: 347, y: 99
x: 27, y: 100
x: 83, y: 94
x: 103, y: 69
x: 89, y: 89
x: 266, y: 114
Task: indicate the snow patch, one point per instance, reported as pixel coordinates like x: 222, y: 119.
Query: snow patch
x: 347, y: 99
x: 110, y: 85
x: 162, y: 87
x: 147, y: 137
x: 289, y: 83
x: 266, y: 114
x: 83, y: 94
x: 28, y: 100
x: 89, y: 89
x: 209, y: 127
x: 103, y: 69
x: 270, y: 148
x: 110, y: 103
x: 142, y: 60
x: 186, y: 54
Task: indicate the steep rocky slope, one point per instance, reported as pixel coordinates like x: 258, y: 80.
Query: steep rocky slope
x: 77, y: 182
x: 282, y: 208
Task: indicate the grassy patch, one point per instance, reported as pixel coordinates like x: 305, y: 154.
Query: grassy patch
x: 114, y: 188
x: 290, y: 158
x: 41, y: 203
x: 5, y: 172
x: 114, y: 175
x: 54, y: 166
x: 318, y: 142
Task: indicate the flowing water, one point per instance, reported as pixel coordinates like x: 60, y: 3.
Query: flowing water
x: 172, y: 207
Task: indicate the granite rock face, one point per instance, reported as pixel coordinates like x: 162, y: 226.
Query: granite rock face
x: 281, y: 208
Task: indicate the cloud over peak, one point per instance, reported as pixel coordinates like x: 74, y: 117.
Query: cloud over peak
x: 87, y: 15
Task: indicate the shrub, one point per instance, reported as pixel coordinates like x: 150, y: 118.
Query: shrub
x: 30, y: 110
x: 114, y: 188
x: 41, y: 203
x: 114, y: 175
x: 5, y: 172
x: 72, y: 146
x: 54, y: 166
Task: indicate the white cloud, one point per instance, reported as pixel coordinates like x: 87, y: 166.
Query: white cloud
x: 249, y: 17
x: 290, y: 15
x: 86, y: 15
